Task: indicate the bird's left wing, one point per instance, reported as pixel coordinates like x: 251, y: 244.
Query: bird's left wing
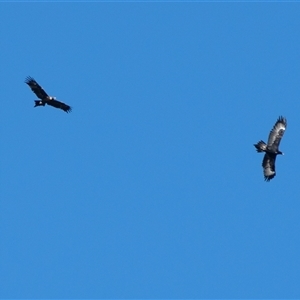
x: 61, y: 105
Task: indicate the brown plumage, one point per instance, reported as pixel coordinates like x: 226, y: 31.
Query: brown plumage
x: 271, y: 149
x: 44, y: 97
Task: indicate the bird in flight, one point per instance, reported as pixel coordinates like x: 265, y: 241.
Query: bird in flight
x: 44, y: 97
x: 271, y: 149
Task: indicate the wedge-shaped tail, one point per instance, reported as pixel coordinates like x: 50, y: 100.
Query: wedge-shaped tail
x: 260, y: 146
x: 39, y: 103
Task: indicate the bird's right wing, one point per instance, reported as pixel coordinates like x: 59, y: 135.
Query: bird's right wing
x: 36, y: 88
x: 277, y: 132
x: 269, y: 166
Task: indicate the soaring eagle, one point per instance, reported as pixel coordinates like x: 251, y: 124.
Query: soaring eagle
x: 44, y: 97
x: 271, y: 148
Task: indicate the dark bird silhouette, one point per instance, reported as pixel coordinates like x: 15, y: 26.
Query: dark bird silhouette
x: 44, y: 97
x: 271, y: 148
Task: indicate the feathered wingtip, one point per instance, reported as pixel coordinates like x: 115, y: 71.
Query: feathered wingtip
x: 38, y: 103
x: 260, y: 146
x: 68, y: 110
x: 268, y: 178
x: 29, y: 79
x: 281, y: 120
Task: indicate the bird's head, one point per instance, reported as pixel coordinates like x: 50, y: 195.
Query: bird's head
x: 280, y: 153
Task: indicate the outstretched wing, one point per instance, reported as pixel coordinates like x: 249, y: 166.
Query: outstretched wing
x: 277, y: 133
x: 269, y: 166
x: 36, y: 88
x: 58, y: 104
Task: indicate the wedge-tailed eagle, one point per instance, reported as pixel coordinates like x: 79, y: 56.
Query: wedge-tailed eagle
x: 44, y: 97
x: 271, y: 148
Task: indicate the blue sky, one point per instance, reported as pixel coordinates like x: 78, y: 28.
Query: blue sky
x: 151, y: 187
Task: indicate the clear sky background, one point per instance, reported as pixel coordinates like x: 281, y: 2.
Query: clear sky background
x: 151, y: 187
